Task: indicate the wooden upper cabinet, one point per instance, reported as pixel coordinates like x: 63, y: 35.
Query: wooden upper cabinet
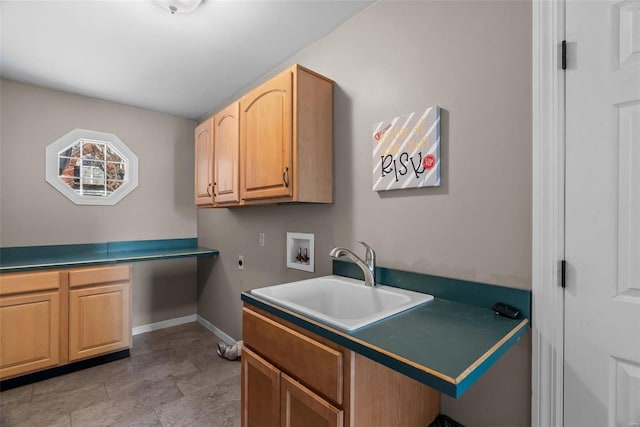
x: 266, y: 139
x: 275, y: 145
x: 286, y: 139
x: 226, y: 156
x: 204, y: 164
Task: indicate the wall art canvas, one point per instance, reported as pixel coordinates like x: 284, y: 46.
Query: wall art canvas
x: 406, y: 151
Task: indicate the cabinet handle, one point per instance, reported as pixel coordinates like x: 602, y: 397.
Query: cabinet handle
x: 285, y: 176
x: 209, y: 192
x: 201, y: 131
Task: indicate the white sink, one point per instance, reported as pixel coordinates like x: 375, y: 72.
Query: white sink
x: 342, y: 302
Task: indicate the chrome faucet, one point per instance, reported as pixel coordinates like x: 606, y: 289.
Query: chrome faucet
x: 368, y: 266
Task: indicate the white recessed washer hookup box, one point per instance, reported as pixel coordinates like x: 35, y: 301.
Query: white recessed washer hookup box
x: 300, y: 251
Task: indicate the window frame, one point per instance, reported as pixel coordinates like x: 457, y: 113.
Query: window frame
x: 53, y: 177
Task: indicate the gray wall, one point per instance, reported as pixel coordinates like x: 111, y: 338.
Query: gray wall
x: 473, y: 58
x: 32, y: 212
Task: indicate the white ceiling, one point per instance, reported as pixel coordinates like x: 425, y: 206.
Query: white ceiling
x: 137, y: 53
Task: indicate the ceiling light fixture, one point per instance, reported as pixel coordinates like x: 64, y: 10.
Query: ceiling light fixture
x: 180, y: 6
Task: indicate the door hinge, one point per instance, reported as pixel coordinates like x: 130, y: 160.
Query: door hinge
x: 563, y: 273
x: 564, y: 54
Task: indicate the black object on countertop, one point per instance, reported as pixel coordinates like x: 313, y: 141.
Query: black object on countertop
x: 506, y: 310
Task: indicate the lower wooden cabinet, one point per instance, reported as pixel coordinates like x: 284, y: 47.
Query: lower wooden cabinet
x: 302, y: 407
x: 98, y: 320
x: 54, y: 317
x: 271, y: 398
x: 99, y: 310
x: 29, y: 332
x: 293, y: 378
x: 260, y: 391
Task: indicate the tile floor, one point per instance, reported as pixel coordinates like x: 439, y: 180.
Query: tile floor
x: 173, y: 378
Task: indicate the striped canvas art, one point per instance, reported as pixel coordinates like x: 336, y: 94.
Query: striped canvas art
x: 406, y: 151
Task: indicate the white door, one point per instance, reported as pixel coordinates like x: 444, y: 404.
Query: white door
x: 602, y: 298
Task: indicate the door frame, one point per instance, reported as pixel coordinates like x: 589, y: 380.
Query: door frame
x: 548, y: 169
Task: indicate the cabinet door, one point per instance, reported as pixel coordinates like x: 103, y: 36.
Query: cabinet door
x: 260, y: 392
x: 266, y: 120
x: 227, y: 146
x: 29, y: 332
x: 204, y: 164
x: 302, y: 355
x: 302, y: 407
x: 99, y: 320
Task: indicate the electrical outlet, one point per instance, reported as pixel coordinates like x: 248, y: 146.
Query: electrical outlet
x: 261, y: 239
x: 240, y: 262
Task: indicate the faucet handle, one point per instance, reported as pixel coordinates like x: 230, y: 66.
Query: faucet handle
x: 370, y: 257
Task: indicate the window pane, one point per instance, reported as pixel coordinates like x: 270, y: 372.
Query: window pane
x: 92, y: 173
x: 93, y: 150
x: 93, y: 191
x: 116, y: 171
x: 113, y: 185
x: 113, y: 155
x: 65, y: 166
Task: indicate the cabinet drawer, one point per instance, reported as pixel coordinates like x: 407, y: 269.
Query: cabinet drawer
x: 318, y: 366
x: 98, y: 275
x: 13, y: 283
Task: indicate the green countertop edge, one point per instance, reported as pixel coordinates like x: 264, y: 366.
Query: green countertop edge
x: 464, y: 292
x: 452, y: 389
x: 474, y: 375
x: 29, y: 258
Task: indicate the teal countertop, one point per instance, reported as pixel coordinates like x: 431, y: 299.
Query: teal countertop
x: 444, y: 344
x: 14, y: 259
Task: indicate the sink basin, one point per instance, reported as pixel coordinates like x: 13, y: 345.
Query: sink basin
x: 341, y: 301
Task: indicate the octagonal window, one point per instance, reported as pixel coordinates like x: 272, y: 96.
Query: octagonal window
x: 91, y: 168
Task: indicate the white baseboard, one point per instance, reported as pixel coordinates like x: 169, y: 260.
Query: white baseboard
x: 182, y: 320
x: 226, y: 338
x: 164, y: 324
